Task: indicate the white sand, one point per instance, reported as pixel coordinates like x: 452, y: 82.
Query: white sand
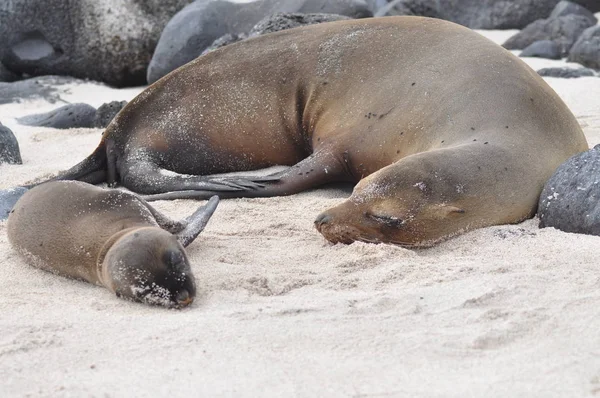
x: 504, y: 311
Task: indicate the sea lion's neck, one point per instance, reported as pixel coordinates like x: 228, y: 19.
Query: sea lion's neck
x: 102, y: 276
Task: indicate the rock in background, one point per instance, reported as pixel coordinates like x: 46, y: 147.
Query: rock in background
x: 479, y: 14
x: 586, y: 49
x: 569, y: 8
x: 198, y: 25
x: 566, y: 73
x: 106, y: 113
x: 8, y: 198
x: 7, y: 76
x: 570, y: 200
x: 275, y: 23
x: 9, y: 147
x: 542, y: 49
x: 564, y: 31
x: 104, y: 40
x: 78, y: 115
x: 65, y: 117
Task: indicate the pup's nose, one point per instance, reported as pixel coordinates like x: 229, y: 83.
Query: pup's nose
x: 322, y: 219
x: 183, y: 298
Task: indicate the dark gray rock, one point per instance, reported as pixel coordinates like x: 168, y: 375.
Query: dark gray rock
x: 275, y: 23
x: 542, y: 49
x: 45, y: 87
x: 569, y: 8
x: 224, y: 40
x: 283, y: 21
x: 9, y: 147
x: 592, y: 5
x: 566, y: 73
x: 65, y: 117
x: 478, y: 14
x: 6, y: 75
x: 564, y: 31
x: 586, y: 49
x: 8, y: 198
x: 199, y: 24
x: 109, y: 41
x: 106, y: 113
x: 570, y: 200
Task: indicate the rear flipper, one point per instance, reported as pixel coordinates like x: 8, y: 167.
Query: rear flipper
x: 188, y: 229
x: 319, y: 168
x: 146, y: 177
x: 195, y: 223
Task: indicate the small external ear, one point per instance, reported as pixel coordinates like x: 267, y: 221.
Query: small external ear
x: 441, y: 212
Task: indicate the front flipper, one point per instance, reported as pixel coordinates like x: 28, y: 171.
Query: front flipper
x: 319, y: 168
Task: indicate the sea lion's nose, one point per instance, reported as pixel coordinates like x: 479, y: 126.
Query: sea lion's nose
x: 322, y: 219
x: 183, y: 298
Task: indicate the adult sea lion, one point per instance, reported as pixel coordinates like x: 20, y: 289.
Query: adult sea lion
x: 443, y: 130
x: 108, y: 237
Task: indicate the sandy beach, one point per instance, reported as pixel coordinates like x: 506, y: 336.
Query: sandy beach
x: 505, y: 311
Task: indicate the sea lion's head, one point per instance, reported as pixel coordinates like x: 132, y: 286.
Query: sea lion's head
x: 393, y: 207
x: 148, y: 265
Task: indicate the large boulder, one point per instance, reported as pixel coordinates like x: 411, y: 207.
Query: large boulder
x: 569, y: 8
x: 478, y: 14
x: 592, y: 5
x: 9, y: 147
x: 564, y: 31
x: 199, y: 24
x: 586, y: 49
x: 7, y: 76
x: 105, y: 40
x: 570, y: 200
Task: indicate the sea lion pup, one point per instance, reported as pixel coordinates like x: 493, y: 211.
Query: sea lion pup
x: 443, y: 130
x: 110, y: 238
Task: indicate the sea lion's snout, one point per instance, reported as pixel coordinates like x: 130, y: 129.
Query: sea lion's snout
x: 184, y: 298
x: 321, y: 220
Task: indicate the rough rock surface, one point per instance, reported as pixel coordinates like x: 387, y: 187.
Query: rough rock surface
x: 8, y: 198
x: 566, y: 73
x: 569, y: 8
x: 542, y: 49
x: 45, y: 87
x: 9, y: 147
x: 224, y: 40
x: 283, y: 21
x: 592, y: 5
x: 109, y: 41
x: 106, y: 113
x: 275, y: 23
x: 479, y: 14
x: 65, y: 117
x: 570, y: 200
x: 198, y: 25
x: 564, y: 31
x: 6, y: 75
x: 586, y: 49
